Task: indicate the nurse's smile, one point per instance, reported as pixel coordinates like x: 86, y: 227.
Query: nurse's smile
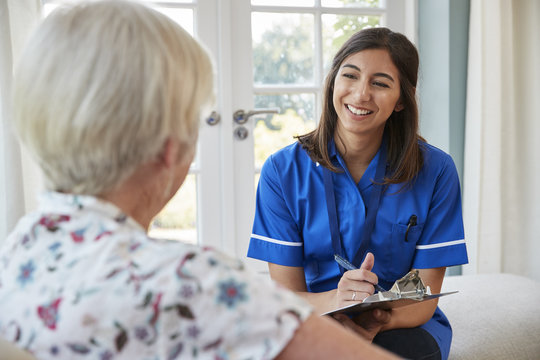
x: 366, y: 92
x: 359, y: 111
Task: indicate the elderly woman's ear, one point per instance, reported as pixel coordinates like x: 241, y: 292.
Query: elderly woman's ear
x: 170, y: 153
x: 175, y: 153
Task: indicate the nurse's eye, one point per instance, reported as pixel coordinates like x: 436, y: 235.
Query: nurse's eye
x: 349, y: 76
x: 380, y: 84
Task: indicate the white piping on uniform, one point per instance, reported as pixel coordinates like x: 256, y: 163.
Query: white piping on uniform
x: 434, y: 246
x: 280, y: 242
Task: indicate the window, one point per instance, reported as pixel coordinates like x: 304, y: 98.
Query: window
x: 268, y: 54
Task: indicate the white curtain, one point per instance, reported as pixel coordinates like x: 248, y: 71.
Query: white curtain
x: 502, y: 141
x: 17, y: 18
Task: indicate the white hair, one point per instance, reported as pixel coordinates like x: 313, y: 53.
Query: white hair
x: 101, y: 86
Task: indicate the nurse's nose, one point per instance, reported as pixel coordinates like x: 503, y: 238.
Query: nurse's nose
x: 362, y: 91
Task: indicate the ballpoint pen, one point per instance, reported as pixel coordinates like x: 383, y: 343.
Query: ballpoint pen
x: 347, y: 265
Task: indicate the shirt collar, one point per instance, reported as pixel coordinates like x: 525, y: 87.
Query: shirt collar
x: 369, y: 174
x: 56, y: 202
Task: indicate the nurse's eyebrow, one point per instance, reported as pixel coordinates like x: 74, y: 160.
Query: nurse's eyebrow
x: 384, y: 75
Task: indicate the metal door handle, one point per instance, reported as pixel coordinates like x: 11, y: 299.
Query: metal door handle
x: 241, y: 133
x: 241, y: 117
x: 213, y: 119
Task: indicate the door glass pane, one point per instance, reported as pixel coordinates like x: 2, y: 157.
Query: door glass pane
x: 282, y: 48
x: 336, y: 29
x: 272, y: 132
x: 283, y: 2
x: 351, y: 3
x: 178, y: 219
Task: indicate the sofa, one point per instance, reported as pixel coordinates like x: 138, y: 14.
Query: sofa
x: 8, y: 351
x: 493, y: 316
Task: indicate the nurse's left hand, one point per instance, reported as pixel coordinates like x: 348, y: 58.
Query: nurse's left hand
x: 356, y: 285
x: 367, y: 324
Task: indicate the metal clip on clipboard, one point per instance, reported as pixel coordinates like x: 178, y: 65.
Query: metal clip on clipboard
x: 406, y: 291
x: 410, y: 286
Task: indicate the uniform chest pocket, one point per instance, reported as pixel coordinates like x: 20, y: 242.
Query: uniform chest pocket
x: 402, y: 249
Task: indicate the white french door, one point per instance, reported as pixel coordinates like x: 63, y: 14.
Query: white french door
x: 269, y: 55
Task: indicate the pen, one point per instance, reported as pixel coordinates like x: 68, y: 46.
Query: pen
x: 412, y: 222
x: 347, y: 265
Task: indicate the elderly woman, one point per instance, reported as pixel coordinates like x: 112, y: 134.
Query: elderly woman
x: 107, y: 96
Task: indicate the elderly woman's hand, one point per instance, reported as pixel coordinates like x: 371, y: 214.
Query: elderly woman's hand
x: 356, y: 285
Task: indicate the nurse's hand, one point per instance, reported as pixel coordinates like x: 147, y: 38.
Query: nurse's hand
x: 367, y: 324
x: 356, y: 285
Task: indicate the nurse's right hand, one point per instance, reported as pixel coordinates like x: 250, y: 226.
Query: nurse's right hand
x: 356, y: 285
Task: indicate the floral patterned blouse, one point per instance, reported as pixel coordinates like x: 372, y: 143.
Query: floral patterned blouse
x: 81, y: 280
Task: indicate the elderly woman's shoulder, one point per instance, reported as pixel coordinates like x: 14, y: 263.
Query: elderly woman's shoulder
x: 183, y: 254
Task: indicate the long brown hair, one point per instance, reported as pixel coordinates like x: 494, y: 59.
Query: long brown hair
x: 401, y: 129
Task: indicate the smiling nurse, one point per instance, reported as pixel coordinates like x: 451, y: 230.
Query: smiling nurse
x: 366, y: 186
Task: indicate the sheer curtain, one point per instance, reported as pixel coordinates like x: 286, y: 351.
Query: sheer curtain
x: 502, y: 141
x: 17, y: 17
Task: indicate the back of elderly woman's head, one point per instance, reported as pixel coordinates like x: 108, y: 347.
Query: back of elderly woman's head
x: 100, y: 88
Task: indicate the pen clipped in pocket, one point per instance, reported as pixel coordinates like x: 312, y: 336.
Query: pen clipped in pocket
x: 404, y: 239
x: 410, y: 225
x: 409, y: 232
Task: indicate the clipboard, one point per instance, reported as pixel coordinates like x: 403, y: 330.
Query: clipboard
x: 408, y: 290
x: 385, y: 304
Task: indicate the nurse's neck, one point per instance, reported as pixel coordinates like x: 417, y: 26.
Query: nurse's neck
x: 357, y: 151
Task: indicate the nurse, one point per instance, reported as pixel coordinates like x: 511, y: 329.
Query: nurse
x: 365, y: 185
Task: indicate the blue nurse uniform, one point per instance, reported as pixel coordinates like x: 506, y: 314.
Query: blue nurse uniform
x: 291, y: 225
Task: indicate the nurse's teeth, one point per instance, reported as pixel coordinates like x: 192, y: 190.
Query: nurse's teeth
x: 358, y: 111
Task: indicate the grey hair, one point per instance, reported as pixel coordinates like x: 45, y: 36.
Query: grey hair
x: 100, y: 88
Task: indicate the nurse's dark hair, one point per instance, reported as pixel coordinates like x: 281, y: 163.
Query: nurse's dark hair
x: 404, y: 155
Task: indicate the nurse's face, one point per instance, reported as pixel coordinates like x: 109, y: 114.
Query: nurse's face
x: 366, y: 92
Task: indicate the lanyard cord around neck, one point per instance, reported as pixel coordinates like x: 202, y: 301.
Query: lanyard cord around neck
x: 373, y: 207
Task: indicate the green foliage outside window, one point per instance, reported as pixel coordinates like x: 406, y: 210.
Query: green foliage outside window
x: 268, y: 141
x: 283, y: 55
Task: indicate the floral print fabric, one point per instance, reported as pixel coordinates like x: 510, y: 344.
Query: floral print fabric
x: 79, y: 279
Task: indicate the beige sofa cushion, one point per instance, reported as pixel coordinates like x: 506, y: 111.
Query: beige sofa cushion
x: 494, y: 316
x: 9, y: 351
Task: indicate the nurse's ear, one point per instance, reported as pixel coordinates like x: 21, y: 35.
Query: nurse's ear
x: 399, y: 105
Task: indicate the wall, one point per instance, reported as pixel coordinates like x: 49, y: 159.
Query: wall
x: 442, y: 41
x: 443, y: 27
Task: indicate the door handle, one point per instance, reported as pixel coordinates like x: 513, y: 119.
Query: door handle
x: 213, y: 119
x: 240, y: 133
x: 241, y: 117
